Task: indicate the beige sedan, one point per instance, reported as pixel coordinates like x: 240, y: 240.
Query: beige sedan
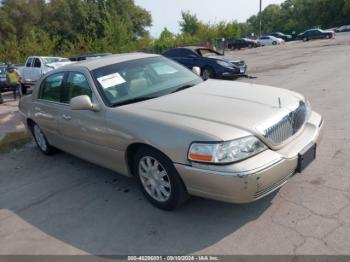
x: 148, y: 117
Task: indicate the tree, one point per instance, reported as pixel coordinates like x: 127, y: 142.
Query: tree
x: 189, y: 23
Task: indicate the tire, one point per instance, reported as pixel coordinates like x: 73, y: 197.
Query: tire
x: 158, y: 179
x: 207, y: 73
x: 305, y: 39
x: 328, y: 36
x: 250, y: 46
x: 41, y: 140
x: 274, y: 43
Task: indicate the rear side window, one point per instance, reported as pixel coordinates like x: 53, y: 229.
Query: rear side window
x: 76, y: 85
x: 51, y: 87
x: 172, y: 53
x: 187, y: 53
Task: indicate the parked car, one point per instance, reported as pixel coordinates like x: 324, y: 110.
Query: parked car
x: 270, y: 40
x: 343, y: 28
x: 88, y: 56
x: 242, y: 43
x: 316, y: 34
x: 212, y: 64
x: 281, y: 36
x: 148, y: 117
x: 36, y: 66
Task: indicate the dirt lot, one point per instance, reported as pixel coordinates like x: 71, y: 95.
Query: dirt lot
x: 63, y: 205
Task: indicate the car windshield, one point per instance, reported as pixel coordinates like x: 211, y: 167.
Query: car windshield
x: 208, y: 52
x: 141, y: 79
x: 49, y: 60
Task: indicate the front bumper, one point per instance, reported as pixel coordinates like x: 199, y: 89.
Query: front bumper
x: 254, y: 178
x: 233, y: 73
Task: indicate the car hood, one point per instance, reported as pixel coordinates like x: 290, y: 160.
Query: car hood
x: 230, y: 59
x: 220, y: 108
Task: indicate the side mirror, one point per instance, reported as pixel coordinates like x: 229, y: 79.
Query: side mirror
x: 196, y: 70
x: 82, y: 103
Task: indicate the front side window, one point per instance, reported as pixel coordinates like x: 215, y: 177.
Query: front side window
x: 76, y: 85
x: 51, y: 87
x: 132, y: 81
x: 37, y: 63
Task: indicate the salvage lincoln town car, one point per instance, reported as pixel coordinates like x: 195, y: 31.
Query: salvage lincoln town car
x: 148, y: 117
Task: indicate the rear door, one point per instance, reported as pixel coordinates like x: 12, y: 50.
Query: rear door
x: 189, y: 58
x: 47, y: 107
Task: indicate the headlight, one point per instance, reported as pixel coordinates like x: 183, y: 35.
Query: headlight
x: 224, y: 64
x: 226, y: 152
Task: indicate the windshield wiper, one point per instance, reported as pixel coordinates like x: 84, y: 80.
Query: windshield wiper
x: 134, y: 100
x: 182, y: 88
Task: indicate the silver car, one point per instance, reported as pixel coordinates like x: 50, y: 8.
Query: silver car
x: 148, y: 117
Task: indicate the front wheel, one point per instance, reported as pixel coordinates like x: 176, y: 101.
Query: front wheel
x: 41, y: 140
x: 274, y: 43
x: 305, y: 39
x: 207, y: 73
x: 328, y: 36
x: 158, y: 179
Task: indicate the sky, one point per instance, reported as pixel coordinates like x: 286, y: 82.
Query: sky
x: 167, y: 13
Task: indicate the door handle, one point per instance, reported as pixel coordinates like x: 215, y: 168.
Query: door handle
x: 66, y: 117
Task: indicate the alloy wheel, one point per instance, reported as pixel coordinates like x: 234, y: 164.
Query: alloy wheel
x: 154, y: 179
x: 40, y: 138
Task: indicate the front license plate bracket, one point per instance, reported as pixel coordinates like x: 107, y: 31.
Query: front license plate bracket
x: 305, y: 157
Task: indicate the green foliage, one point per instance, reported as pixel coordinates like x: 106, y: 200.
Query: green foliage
x: 70, y: 27
x: 299, y: 15
x: 189, y: 23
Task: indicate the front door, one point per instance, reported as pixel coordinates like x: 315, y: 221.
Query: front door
x: 36, y: 71
x: 83, y: 130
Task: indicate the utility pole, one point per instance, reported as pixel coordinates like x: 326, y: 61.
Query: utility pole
x: 260, y: 19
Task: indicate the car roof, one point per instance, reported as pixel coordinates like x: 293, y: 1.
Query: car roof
x: 92, y: 54
x: 108, y: 60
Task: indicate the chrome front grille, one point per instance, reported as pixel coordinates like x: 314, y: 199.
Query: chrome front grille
x: 287, y: 126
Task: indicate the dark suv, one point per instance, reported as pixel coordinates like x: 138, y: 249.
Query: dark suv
x: 242, y: 43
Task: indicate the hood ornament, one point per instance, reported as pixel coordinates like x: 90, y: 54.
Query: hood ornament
x: 279, y: 102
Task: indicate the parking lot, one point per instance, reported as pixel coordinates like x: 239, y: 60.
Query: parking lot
x: 64, y: 205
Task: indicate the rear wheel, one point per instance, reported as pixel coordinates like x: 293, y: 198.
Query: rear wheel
x: 250, y: 46
x: 328, y: 36
x: 158, y: 179
x: 41, y: 140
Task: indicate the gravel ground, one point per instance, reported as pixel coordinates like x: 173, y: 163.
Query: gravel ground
x: 63, y: 205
